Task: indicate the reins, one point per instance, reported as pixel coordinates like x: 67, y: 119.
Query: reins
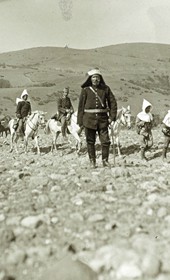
x: 35, y: 125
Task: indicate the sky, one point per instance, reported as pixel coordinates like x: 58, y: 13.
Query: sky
x: 82, y: 24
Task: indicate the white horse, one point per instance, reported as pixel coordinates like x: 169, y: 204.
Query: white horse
x: 123, y: 119
x: 34, y: 120
x: 54, y: 128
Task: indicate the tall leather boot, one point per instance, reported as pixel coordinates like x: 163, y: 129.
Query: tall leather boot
x: 105, y: 156
x: 92, y: 155
x: 143, y: 154
x: 164, y: 154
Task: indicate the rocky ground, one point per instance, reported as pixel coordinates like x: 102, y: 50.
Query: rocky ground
x: 117, y: 219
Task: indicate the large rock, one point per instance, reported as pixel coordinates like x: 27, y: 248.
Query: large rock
x: 69, y: 269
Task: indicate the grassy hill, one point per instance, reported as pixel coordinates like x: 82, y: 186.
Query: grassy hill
x: 133, y: 71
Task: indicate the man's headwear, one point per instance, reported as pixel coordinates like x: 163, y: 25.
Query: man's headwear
x: 166, y: 119
x: 24, y: 93
x: 94, y: 71
x: 67, y: 87
x: 143, y: 116
x: 146, y: 104
x: 90, y: 73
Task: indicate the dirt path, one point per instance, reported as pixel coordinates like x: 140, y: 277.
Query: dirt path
x: 118, y: 219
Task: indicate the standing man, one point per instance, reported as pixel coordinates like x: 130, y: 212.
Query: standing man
x: 96, y: 110
x: 65, y: 110
x: 22, y: 111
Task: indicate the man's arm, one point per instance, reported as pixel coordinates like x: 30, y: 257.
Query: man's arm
x: 112, y: 103
x: 60, y: 108
x: 18, y: 110
x: 81, y: 105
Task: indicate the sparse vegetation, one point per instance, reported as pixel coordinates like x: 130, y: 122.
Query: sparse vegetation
x: 5, y: 83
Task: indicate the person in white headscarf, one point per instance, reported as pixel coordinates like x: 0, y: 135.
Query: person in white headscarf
x: 166, y: 132
x: 22, y: 111
x: 144, y: 122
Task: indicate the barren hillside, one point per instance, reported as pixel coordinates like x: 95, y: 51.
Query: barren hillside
x: 133, y: 71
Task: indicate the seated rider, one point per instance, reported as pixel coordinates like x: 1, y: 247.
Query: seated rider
x: 65, y: 110
x: 22, y: 111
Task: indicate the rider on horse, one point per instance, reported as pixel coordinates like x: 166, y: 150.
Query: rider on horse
x: 22, y: 111
x: 65, y: 110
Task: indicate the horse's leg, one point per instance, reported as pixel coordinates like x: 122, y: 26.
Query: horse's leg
x: 53, y: 142
x: 118, y: 145
x: 37, y: 145
x: 78, y: 143
x: 26, y: 143
x: 57, y: 134
x: 12, y: 141
x: 15, y: 140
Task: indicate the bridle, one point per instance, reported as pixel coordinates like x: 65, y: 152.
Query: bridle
x: 34, y: 128
x: 123, y: 121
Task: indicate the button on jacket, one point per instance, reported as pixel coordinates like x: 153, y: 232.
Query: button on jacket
x: 63, y: 104
x: 92, y: 109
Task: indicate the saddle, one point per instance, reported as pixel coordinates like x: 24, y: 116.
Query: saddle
x: 55, y: 117
x: 16, y: 124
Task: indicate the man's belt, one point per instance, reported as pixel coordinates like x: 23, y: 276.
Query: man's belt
x: 96, y: 110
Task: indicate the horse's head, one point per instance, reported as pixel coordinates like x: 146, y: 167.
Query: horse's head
x: 41, y: 118
x: 126, y: 116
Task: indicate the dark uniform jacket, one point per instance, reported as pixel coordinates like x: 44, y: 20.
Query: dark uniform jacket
x: 63, y: 104
x: 23, y: 109
x: 102, y: 99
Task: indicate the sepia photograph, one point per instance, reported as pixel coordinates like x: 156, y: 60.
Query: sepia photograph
x: 84, y: 140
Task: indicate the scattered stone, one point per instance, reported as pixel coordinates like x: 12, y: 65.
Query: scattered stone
x: 54, y: 220
x: 128, y: 270
x: 162, y: 212
x: 67, y: 269
x: 96, y: 218
x: 77, y: 201
x: 120, y: 172
x: 77, y: 217
x: 2, y: 217
x: 55, y: 188
x: 39, y: 251
x: 42, y: 200
x: 6, y: 236
x: 150, y: 265
x: 32, y: 221
x: 16, y: 257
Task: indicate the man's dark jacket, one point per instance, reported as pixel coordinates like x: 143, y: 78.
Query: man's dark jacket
x: 23, y: 109
x: 63, y: 104
x: 103, y: 100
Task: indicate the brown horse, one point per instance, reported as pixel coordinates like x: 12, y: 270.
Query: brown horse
x: 4, y: 125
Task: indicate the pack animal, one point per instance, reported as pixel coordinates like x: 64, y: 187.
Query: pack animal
x: 123, y: 119
x: 54, y: 128
x: 4, y: 129
x: 4, y: 126
x: 33, y: 122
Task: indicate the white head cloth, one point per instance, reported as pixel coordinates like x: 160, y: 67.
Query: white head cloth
x: 143, y: 116
x: 166, y: 119
x: 94, y: 72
